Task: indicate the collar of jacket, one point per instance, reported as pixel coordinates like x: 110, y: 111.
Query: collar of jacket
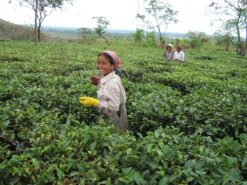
x: 108, y: 77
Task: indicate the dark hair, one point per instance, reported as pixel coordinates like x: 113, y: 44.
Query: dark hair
x: 106, y: 55
x: 180, y: 47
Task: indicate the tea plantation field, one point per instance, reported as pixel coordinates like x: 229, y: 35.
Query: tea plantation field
x: 188, y: 122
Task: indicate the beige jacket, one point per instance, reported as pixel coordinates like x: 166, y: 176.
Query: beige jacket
x: 111, y: 95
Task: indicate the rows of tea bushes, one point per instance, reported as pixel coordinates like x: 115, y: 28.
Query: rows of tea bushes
x: 67, y: 154
x: 188, y: 122
x: 205, y: 97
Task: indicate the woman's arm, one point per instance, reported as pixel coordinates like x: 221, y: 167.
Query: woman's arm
x: 110, y: 98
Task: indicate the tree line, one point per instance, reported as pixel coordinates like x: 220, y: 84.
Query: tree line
x: 155, y: 17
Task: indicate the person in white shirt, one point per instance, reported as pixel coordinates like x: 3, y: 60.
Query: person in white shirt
x: 111, y: 98
x: 168, y: 53
x: 179, y: 54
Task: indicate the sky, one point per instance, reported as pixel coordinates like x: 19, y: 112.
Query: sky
x: 192, y: 14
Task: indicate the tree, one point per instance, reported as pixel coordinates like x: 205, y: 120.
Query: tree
x: 144, y: 38
x: 35, y: 21
x: 244, y: 23
x: 197, y: 38
x: 150, y: 39
x: 102, y: 24
x: 139, y: 36
x: 224, y: 36
x: 86, y: 33
x: 235, y: 12
x: 42, y: 8
x: 157, y: 15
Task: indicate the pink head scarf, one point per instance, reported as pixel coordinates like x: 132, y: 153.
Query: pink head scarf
x: 115, y: 58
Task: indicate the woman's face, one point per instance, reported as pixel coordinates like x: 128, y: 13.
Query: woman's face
x: 169, y: 48
x: 104, y: 66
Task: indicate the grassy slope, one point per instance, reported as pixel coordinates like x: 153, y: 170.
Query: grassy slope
x: 9, y: 31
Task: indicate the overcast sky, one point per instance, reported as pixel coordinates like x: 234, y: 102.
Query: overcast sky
x: 192, y: 14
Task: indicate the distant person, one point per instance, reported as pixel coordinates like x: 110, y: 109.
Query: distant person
x: 96, y: 78
x: 168, y: 53
x: 179, y: 54
x: 111, y: 96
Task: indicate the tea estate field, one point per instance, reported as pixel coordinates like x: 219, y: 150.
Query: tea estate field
x: 188, y: 122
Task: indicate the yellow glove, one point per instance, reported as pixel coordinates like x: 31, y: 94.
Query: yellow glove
x: 88, y: 101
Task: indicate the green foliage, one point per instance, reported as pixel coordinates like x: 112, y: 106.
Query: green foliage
x: 143, y: 38
x: 197, y: 39
x: 139, y: 35
x: 188, y: 121
x: 43, y: 4
x: 234, y: 22
x: 151, y: 39
x: 157, y: 16
x: 41, y: 8
x: 102, y: 24
x: 224, y: 36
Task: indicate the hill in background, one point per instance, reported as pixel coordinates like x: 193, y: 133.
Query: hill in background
x: 65, y: 31
x: 10, y: 31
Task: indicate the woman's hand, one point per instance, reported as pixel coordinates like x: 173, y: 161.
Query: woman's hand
x: 89, y: 101
x: 95, y: 80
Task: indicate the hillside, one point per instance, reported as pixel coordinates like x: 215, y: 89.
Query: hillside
x: 9, y: 31
x: 74, y: 32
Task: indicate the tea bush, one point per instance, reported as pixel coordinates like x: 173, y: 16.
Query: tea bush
x: 187, y: 121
